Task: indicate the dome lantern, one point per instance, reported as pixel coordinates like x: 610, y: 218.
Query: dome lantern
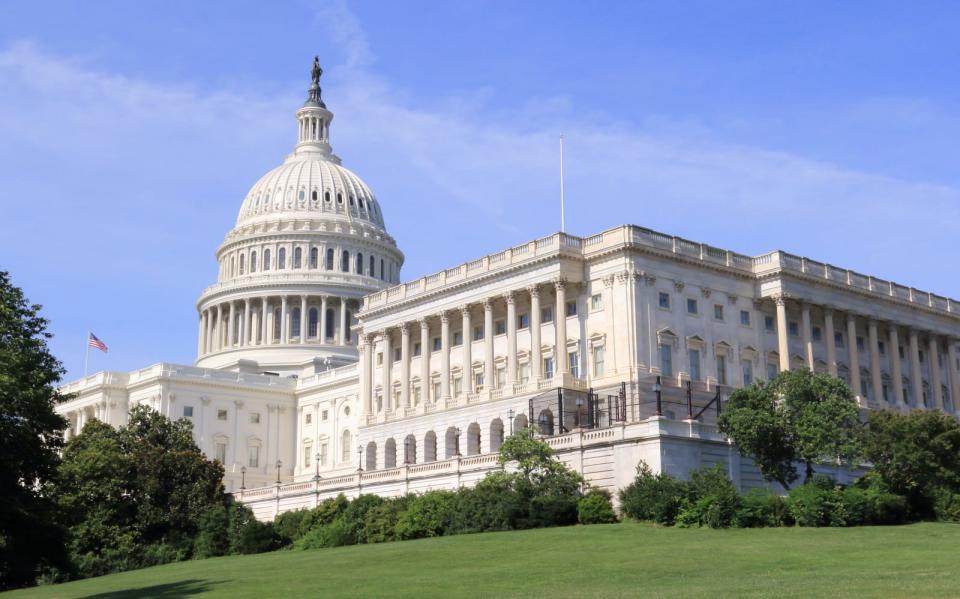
x: 314, y: 119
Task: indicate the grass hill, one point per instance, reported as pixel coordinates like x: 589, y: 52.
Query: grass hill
x: 617, y: 560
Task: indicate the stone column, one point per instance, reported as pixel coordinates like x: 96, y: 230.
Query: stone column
x: 201, y: 333
x: 829, y: 341
x: 467, y: 350
x: 208, y: 340
x: 343, y: 321
x: 896, y: 375
x: 246, y: 340
x: 219, y: 339
x: 489, y: 377
x: 511, y: 300
x: 284, y: 324
x: 364, y: 349
x: 853, y: 355
x: 267, y: 336
x: 875, y: 375
x: 561, y: 365
x: 385, y: 385
x: 303, y: 317
x: 231, y: 326
x: 954, y: 373
x: 934, y: 354
x: 405, y: 365
x: 783, y: 342
x: 806, y: 330
x: 916, y: 374
x: 445, y: 355
x: 536, y: 350
x: 424, y: 361
x: 322, y: 330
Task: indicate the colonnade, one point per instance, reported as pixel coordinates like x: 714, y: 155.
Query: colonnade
x: 254, y: 322
x: 940, y: 354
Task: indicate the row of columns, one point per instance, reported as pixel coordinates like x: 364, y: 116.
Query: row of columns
x: 367, y: 342
x: 219, y: 323
x: 873, y: 339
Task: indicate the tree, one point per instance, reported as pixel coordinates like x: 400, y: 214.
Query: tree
x: 536, y: 464
x: 31, y: 538
x: 799, y: 416
x: 915, y: 455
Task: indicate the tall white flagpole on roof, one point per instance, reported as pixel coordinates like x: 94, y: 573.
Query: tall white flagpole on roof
x: 86, y: 356
x: 562, y: 218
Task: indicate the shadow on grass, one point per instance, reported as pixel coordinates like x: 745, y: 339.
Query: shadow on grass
x: 181, y: 588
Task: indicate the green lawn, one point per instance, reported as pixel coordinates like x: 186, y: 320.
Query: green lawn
x: 619, y: 560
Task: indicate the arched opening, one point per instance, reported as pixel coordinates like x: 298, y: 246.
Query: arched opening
x: 346, y: 333
x: 313, y: 195
x: 496, y: 435
x: 473, y: 439
x: 242, y: 263
x: 451, y: 442
x: 329, y: 262
x: 266, y: 259
x: 359, y: 263
x: 294, y: 324
x: 371, y: 461
x: 281, y: 258
x: 253, y: 262
x: 345, y: 261
x: 410, y: 450
x: 276, y: 324
x: 519, y: 423
x: 312, y: 323
x: 381, y: 269
x: 430, y: 447
x: 373, y: 265
x: 231, y: 266
x: 390, y: 454
x: 314, y: 256
x: 346, y: 446
x: 326, y: 196
x: 328, y: 328
x: 297, y: 257
x: 545, y: 422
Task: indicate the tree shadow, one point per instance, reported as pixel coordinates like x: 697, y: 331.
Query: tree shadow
x: 181, y: 588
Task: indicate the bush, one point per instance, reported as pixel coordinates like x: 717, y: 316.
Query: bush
x: 354, y: 517
x: 494, y: 504
x: 336, y: 534
x: 946, y: 506
x: 811, y: 505
x: 380, y: 525
x: 762, y: 508
x: 288, y: 526
x: 428, y: 515
x: 596, y: 508
x: 824, y: 503
x: 325, y: 513
x: 551, y: 510
x: 247, y: 534
x: 213, y: 537
x: 712, y: 499
x: 654, y: 497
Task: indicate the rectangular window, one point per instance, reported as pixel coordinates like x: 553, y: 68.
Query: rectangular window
x: 524, y: 372
x: 500, y: 327
x: 307, y: 450
x: 793, y: 329
x: 666, y: 360
x: 722, y: 370
x: 921, y: 356
x: 546, y: 314
x: 436, y: 391
x: 437, y: 344
x: 838, y: 339
x: 221, y: 452
x: 718, y: 311
x: 323, y: 454
x: 747, y: 368
x: 253, y: 456
x: 255, y: 418
x: 308, y: 418
x: 221, y: 414
x: 548, y: 368
x: 478, y: 381
x: 596, y: 302
x: 900, y: 351
x: 417, y: 349
x: 772, y: 371
x: 817, y: 334
x: 572, y: 308
x: 457, y: 338
x: 860, y: 343
x: 573, y: 359
x: 745, y: 318
x: 692, y: 307
x: 523, y: 321
x: 323, y: 415
x: 396, y: 354
x: 416, y: 395
x: 886, y: 392
x: 598, y: 358
x: 188, y: 411
x: 501, y: 377
x: 379, y: 358
x: 769, y: 323
x: 694, y: 355
x: 478, y: 332
x: 863, y: 387
x: 457, y: 386
x: 664, y: 300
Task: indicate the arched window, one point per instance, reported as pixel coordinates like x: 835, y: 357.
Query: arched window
x: 276, y: 324
x: 329, y: 264
x: 519, y: 422
x: 281, y: 258
x: 346, y: 333
x: 360, y: 202
x: 346, y: 446
x: 410, y: 450
x: 313, y: 196
x: 390, y: 454
x: 351, y: 201
x: 312, y: 323
x: 496, y: 435
x: 373, y: 265
x: 295, y: 323
x: 300, y: 195
x: 231, y: 266
x: 297, y: 255
x: 371, y: 456
x: 381, y: 270
x: 451, y: 442
x: 359, y: 263
x: 339, y: 198
x: 473, y: 439
x: 545, y: 422
x: 328, y: 328
x: 266, y: 259
x: 345, y: 261
x: 430, y: 447
x: 242, y: 263
x: 326, y: 196
x: 314, y: 257
x: 253, y: 262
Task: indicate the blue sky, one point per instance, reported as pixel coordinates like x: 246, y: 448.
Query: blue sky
x: 130, y: 132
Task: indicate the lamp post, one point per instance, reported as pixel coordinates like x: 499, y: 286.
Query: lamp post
x: 456, y: 431
x: 316, y: 461
x: 658, y: 389
x: 243, y: 478
x: 510, y: 416
x: 359, y: 458
x: 279, y: 465
x: 406, y: 451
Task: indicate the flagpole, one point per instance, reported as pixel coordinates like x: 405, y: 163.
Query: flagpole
x: 86, y: 357
x: 562, y: 223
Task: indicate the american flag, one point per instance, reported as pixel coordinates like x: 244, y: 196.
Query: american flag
x: 94, y: 342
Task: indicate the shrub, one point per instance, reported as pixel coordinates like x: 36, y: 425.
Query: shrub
x: 428, y: 515
x: 946, y: 506
x: 354, y: 517
x: 380, y: 525
x: 213, y: 537
x: 325, y: 513
x: 288, y: 526
x: 762, y: 508
x: 247, y: 534
x: 824, y: 503
x: 335, y: 534
x: 551, y: 510
x: 712, y: 499
x: 494, y: 504
x: 596, y: 508
x: 811, y: 505
x: 654, y: 497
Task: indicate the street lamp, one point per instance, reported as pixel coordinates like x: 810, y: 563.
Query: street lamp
x: 316, y: 460
x: 359, y: 458
x: 658, y: 388
x: 243, y: 477
x: 510, y: 416
x: 406, y: 451
x: 456, y: 431
x: 279, y: 465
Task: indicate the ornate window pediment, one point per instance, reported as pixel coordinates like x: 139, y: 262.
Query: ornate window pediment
x: 722, y: 348
x: 748, y: 352
x: 696, y: 342
x: 667, y: 337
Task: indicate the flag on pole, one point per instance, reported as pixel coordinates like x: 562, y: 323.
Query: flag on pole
x: 94, y: 342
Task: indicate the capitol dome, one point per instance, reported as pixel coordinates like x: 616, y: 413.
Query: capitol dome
x: 309, y: 242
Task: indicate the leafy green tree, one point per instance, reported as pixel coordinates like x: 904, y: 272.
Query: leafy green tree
x: 797, y: 417
x: 31, y: 538
x: 915, y: 455
x: 537, y: 465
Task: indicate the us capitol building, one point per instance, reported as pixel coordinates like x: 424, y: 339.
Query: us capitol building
x: 320, y: 372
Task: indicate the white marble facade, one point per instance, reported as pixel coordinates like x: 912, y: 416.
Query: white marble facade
x: 318, y: 372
